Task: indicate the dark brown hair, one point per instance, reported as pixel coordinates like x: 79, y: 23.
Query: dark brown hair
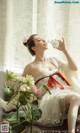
x: 30, y: 43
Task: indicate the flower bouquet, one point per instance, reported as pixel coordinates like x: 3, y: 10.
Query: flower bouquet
x: 24, y: 96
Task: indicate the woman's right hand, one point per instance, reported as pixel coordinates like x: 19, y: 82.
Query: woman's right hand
x: 61, y: 46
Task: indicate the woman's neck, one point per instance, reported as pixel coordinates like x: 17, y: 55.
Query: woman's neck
x: 40, y: 58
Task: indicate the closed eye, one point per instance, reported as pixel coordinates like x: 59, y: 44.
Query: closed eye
x: 39, y: 40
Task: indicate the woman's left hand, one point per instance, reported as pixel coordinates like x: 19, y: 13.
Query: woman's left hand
x: 61, y: 45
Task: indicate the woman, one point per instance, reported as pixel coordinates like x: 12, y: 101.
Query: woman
x: 62, y: 99
x: 46, y: 72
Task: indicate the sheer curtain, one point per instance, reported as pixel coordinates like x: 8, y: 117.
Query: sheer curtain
x: 61, y: 20
x: 50, y: 20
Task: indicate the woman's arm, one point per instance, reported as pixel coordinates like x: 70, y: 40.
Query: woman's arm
x: 26, y: 71
x: 71, y: 63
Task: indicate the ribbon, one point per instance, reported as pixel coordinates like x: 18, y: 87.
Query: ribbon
x: 52, y: 81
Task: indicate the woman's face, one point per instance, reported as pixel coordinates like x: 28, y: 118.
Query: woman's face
x: 40, y: 43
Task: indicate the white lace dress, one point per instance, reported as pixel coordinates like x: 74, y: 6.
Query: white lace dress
x: 53, y: 105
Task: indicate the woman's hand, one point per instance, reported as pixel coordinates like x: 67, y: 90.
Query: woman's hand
x: 36, y: 91
x: 61, y: 45
x: 71, y: 63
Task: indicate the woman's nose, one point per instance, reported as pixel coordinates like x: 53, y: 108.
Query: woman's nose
x: 44, y: 40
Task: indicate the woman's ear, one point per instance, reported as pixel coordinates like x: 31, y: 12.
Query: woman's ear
x: 33, y: 48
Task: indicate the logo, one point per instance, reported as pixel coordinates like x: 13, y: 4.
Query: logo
x: 4, y: 127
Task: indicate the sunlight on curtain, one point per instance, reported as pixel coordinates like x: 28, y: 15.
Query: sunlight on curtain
x: 60, y: 20
x: 44, y: 17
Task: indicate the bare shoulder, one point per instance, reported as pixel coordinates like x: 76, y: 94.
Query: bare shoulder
x: 27, y: 69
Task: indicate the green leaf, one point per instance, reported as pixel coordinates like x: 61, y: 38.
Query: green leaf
x: 36, y: 113
x: 35, y: 102
x: 46, y: 88
x: 8, y: 93
x: 23, y: 100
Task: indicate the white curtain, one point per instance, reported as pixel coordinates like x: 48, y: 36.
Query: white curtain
x: 19, y: 18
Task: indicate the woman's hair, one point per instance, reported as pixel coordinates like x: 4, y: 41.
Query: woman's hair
x: 30, y: 43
